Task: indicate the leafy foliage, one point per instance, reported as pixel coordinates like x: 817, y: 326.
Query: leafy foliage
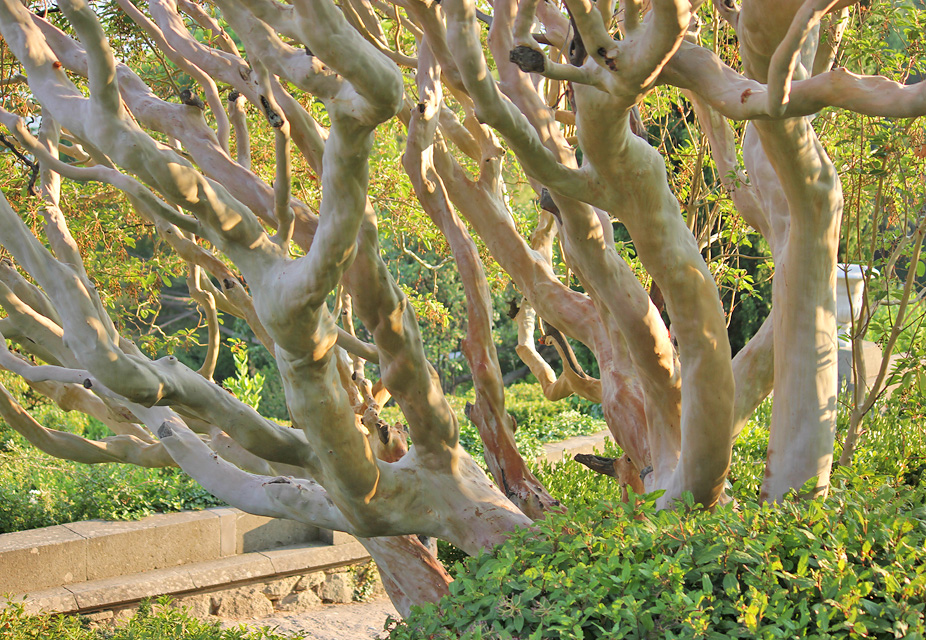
x: 245, y: 386
x: 851, y: 566
x: 539, y: 420
x: 160, y: 622
x: 37, y: 490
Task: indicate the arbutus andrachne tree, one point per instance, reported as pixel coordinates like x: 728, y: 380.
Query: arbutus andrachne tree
x: 674, y: 403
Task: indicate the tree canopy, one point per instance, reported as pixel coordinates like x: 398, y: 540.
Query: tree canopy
x: 616, y: 164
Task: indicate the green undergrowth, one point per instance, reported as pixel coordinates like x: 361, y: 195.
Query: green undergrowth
x: 149, y: 623
x: 850, y: 566
x: 38, y: 490
x: 538, y: 420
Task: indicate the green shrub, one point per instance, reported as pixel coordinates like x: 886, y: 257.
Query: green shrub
x: 574, y: 484
x: 531, y: 436
x: 852, y: 566
x: 37, y: 490
x: 149, y: 623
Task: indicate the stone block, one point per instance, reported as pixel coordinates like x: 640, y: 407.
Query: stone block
x: 377, y: 590
x: 280, y: 587
x: 257, y: 533
x: 338, y: 587
x: 316, y: 557
x: 226, y: 570
x: 335, y: 537
x: 123, y: 615
x: 155, y: 542
x: 228, y: 530
x: 301, y: 601
x: 41, y: 558
x: 310, y: 581
x: 99, y: 618
x: 198, y: 605
x: 97, y: 594
x: 57, y: 600
x: 245, y: 602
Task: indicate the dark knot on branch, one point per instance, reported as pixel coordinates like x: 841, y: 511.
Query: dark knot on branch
x: 164, y: 431
x: 547, y: 203
x: 274, y: 118
x: 528, y: 60
x: 190, y: 99
x: 598, y: 464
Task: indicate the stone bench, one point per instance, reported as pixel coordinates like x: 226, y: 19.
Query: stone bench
x: 93, y: 565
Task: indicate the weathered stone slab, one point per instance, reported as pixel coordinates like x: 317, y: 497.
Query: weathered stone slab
x: 280, y: 587
x: 98, y: 594
x: 258, y: 533
x: 227, y: 570
x: 57, y: 600
x: 246, y: 602
x: 199, y: 605
x: 316, y: 558
x: 301, y: 601
x: 41, y: 558
x: 157, y: 542
x: 310, y: 581
x: 338, y: 587
x: 228, y: 535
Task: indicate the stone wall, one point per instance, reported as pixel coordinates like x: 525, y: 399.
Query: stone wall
x: 92, y: 566
x: 288, y: 594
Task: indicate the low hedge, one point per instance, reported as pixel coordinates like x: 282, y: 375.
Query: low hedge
x: 852, y: 566
x: 160, y: 622
x: 38, y: 490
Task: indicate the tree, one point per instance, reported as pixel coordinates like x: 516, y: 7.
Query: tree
x: 675, y: 410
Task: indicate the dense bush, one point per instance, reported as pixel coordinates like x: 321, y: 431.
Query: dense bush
x: 37, y: 490
x: 851, y: 566
x: 149, y: 623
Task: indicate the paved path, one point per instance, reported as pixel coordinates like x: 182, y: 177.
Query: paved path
x: 355, y: 621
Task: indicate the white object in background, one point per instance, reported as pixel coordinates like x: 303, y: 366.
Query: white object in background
x: 850, y: 290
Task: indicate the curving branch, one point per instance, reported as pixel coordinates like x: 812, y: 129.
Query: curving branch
x: 784, y: 62
x: 60, y: 444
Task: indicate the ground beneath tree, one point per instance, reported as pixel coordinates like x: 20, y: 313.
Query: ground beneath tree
x: 354, y: 621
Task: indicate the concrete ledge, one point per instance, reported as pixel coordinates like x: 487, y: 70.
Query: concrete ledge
x: 320, y: 558
x: 47, y: 600
x: 227, y: 570
x: 42, y: 559
x: 100, y: 594
x: 93, y: 565
x: 559, y: 451
x: 156, y: 542
x: 186, y: 580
